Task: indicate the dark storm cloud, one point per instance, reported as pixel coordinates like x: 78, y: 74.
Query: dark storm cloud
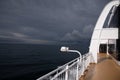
x: 76, y: 35
x: 41, y: 21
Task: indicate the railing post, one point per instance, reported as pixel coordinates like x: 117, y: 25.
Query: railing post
x: 107, y: 47
x: 66, y: 73
x: 83, y: 65
x: 91, y: 58
x: 77, y: 69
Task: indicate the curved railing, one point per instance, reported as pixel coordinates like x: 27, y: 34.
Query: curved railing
x: 69, y: 71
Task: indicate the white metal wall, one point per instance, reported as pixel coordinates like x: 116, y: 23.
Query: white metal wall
x: 109, y: 33
x: 95, y: 40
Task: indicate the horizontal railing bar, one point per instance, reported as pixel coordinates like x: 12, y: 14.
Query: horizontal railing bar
x: 62, y: 68
x: 57, y: 69
x: 72, y: 64
x: 58, y: 74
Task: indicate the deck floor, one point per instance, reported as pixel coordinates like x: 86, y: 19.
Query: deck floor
x: 105, y: 69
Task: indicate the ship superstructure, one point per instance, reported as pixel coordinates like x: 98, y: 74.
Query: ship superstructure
x: 104, y: 51
x: 108, y: 36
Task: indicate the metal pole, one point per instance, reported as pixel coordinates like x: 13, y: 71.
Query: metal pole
x: 66, y: 49
x: 77, y: 61
x: 66, y: 73
x: 76, y: 52
x: 83, y: 62
x: 107, y: 47
x: 115, y: 49
x: 77, y: 70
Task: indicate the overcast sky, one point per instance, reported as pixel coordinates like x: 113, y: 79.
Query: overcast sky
x: 48, y: 21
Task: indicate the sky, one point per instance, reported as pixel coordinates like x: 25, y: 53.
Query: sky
x: 48, y: 21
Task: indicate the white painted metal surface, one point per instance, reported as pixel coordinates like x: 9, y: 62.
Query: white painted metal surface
x: 105, y: 33
x: 104, y: 14
x: 66, y: 49
x: 109, y: 33
x: 99, y: 33
x: 70, y: 71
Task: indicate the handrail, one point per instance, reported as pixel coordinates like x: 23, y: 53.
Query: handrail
x: 69, y: 70
x: 57, y: 69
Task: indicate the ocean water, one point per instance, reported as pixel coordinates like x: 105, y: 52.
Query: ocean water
x: 30, y: 61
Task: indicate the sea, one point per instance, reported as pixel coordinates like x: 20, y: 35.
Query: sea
x: 31, y: 61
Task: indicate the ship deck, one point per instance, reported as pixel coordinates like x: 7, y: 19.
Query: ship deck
x: 105, y: 69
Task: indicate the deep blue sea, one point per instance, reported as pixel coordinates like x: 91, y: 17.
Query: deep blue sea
x: 30, y: 61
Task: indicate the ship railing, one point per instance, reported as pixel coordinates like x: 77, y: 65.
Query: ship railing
x: 72, y: 70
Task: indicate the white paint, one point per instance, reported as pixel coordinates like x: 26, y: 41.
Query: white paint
x: 100, y: 33
x: 109, y: 33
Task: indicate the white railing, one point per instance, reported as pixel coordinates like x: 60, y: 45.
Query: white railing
x: 70, y: 71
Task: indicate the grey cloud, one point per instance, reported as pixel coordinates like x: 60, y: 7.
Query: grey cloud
x: 88, y: 29
x: 48, y: 20
x: 76, y: 35
x: 21, y: 38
